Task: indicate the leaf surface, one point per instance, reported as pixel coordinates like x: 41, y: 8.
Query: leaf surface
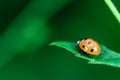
x: 107, y: 57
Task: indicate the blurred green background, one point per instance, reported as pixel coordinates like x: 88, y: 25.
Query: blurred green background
x: 27, y: 27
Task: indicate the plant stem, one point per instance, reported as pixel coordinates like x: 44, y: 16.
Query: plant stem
x: 113, y: 9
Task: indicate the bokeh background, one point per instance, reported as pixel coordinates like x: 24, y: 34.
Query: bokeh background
x: 27, y: 27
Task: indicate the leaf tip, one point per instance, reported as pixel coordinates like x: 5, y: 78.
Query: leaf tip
x: 52, y: 43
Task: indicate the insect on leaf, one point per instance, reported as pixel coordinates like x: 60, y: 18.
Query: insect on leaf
x: 107, y: 57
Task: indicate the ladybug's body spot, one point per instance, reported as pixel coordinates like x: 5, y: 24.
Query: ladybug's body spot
x: 95, y: 49
x: 83, y: 46
x: 92, y: 50
x: 89, y: 42
x: 89, y: 46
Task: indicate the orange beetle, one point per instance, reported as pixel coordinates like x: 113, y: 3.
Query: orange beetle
x: 89, y: 46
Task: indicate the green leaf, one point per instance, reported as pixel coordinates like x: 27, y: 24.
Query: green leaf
x: 107, y: 57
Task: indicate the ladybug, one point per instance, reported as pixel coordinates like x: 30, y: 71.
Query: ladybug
x: 89, y: 46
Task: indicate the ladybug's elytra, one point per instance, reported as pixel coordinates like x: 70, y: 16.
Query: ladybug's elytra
x: 89, y: 46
